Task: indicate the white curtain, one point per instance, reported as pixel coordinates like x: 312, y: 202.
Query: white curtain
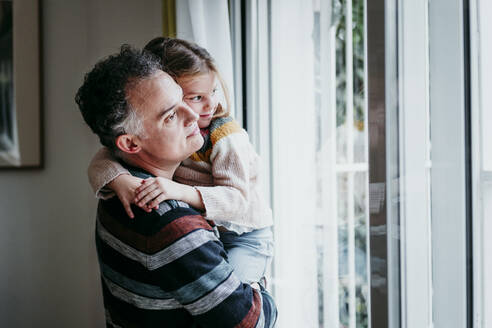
x: 293, y: 149
x: 206, y: 22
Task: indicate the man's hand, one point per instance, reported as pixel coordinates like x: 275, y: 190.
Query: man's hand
x: 124, y: 186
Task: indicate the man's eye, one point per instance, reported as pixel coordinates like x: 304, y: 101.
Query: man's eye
x: 171, y: 117
x: 214, y: 90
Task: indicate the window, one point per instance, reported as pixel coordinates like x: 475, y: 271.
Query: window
x: 344, y: 100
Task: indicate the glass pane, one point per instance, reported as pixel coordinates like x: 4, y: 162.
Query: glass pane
x: 343, y: 258
x: 341, y: 80
x: 342, y: 182
x: 359, y: 74
x: 336, y: 279
x: 361, y: 251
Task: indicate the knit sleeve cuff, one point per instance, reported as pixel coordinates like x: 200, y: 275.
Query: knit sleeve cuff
x: 103, y: 169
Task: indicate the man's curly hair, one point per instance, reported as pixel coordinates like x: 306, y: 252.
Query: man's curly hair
x: 102, y: 98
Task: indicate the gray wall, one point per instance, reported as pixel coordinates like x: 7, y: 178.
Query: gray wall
x: 48, y: 266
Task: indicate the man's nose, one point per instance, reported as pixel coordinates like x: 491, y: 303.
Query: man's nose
x: 190, y: 116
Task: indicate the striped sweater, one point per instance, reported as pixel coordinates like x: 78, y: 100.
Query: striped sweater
x: 226, y: 172
x: 168, y: 269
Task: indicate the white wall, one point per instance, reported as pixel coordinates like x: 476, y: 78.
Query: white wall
x: 48, y: 266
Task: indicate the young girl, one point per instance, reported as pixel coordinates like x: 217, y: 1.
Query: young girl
x: 223, y: 173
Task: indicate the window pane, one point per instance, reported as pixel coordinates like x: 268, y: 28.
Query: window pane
x: 341, y: 81
x: 324, y: 76
x: 361, y: 251
x: 343, y: 258
x: 340, y: 93
x: 359, y: 75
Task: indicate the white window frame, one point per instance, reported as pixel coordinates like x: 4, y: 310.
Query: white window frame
x: 482, y: 159
x: 481, y: 178
x: 434, y: 240
x: 448, y: 175
x: 416, y: 268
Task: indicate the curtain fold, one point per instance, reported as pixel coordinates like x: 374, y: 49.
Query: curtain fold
x: 294, y: 140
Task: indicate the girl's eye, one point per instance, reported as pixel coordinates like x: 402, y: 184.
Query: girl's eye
x: 195, y: 98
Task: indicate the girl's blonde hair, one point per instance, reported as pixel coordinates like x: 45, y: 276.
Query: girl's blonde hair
x: 183, y: 59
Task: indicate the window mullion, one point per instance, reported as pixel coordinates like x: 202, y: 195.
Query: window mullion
x: 349, y: 121
x: 328, y: 122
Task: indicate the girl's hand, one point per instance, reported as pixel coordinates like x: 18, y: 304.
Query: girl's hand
x: 255, y: 285
x: 124, y: 186
x: 153, y: 191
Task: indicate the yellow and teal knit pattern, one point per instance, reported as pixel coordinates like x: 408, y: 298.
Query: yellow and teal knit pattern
x: 219, y: 128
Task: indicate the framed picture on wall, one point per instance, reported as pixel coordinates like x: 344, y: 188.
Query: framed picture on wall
x: 20, y: 93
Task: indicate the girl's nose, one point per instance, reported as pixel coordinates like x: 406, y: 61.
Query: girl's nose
x: 207, y: 103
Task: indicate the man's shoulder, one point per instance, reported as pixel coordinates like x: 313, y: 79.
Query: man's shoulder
x: 150, y: 232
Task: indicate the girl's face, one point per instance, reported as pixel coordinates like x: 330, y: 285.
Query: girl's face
x: 200, y: 93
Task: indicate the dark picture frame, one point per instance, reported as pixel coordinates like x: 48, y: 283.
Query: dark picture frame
x: 21, y: 125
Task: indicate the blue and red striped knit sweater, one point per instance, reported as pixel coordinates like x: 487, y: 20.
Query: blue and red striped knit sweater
x: 168, y: 269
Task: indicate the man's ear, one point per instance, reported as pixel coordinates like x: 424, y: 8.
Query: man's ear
x: 126, y: 144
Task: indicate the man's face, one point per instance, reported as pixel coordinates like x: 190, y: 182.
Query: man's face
x: 171, y: 132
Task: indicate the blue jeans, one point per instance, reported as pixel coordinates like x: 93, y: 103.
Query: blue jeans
x: 249, y: 253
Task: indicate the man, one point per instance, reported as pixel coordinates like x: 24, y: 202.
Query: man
x: 165, y: 268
